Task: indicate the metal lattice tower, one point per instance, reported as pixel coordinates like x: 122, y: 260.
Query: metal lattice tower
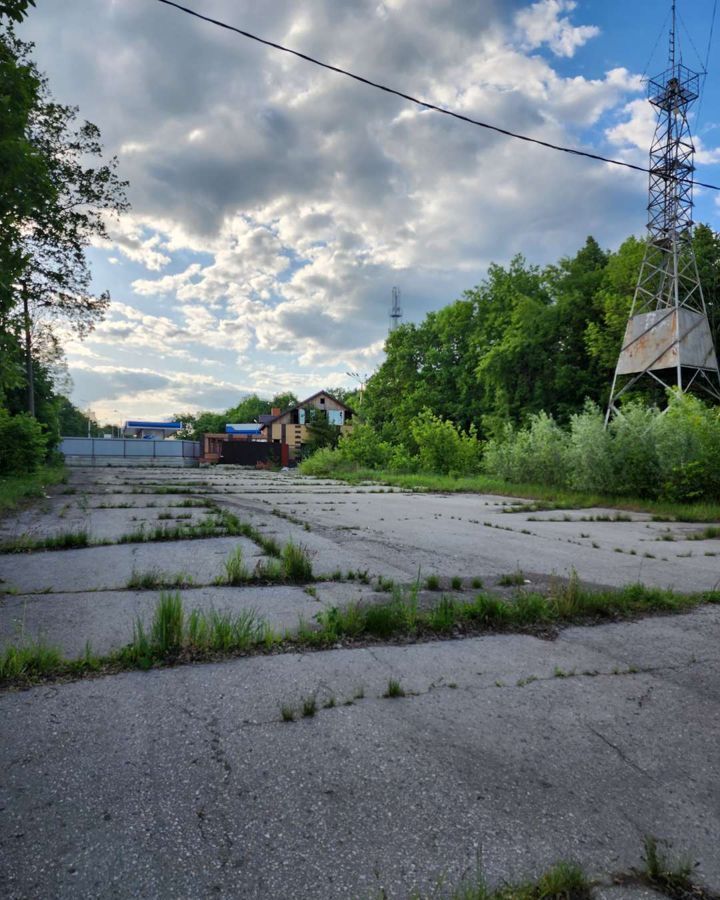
x: 668, y: 335
x: 395, y: 311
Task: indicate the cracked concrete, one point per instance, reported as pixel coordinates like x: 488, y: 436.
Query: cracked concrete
x: 508, y: 749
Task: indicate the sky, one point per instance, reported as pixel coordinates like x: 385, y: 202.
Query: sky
x: 275, y: 204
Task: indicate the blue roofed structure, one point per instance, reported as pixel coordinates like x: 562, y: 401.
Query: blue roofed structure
x: 150, y: 430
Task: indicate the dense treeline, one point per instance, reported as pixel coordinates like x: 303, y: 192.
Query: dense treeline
x: 528, y: 339
x: 511, y: 380
x: 55, y: 191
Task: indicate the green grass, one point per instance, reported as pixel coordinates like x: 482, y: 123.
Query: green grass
x: 176, y: 636
x: 394, y: 689
x: 64, y: 540
x: 546, y: 496
x: 29, y: 660
x: 296, y: 565
x: 287, y: 713
x: 309, y: 706
x: 709, y: 533
x: 456, y: 583
x: 153, y: 579
x: 18, y: 490
x: 236, y: 572
x: 511, y: 578
x: 168, y: 623
x: 563, y: 605
x: 564, y: 881
x: 672, y: 878
x: 432, y: 583
x: 292, y: 567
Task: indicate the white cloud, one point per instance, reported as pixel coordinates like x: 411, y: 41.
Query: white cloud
x: 543, y: 23
x: 275, y: 205
x: 126, y: 235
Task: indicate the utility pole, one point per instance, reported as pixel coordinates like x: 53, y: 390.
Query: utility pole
x: 29, y: 372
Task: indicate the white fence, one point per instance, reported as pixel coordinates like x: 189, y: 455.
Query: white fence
x: 129, y: 448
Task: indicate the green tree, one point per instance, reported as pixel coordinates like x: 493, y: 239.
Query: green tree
x: 55, y: 284
x: 322, y: 433
x: 284, y: 401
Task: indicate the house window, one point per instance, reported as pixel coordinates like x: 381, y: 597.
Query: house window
x: 322, y: 401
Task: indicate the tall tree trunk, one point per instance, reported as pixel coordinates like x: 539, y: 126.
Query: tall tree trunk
x: 30, y: 376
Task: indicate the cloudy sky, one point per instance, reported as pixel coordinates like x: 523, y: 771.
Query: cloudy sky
x: 275, y: 204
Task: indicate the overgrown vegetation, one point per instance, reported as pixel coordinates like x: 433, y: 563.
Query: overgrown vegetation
x: 570, y: 602
x: 293, y: 566
x: 17, y: 489
x: 64, y: 540
x: 644, y: 452
x: 664, y: 461
x: 176, y: 636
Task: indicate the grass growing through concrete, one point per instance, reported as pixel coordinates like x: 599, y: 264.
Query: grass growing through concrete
x: 64, y: 540
x: 18, y: 490
x: 565, y: 604
x: 154, y: 579
x: 511, y: 578
x: 394, y: 689
x: 672, y: 878
x: 292, y: 567
x: 176, y: 636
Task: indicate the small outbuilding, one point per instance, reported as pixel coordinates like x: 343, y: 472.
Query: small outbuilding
x: 148, y: 430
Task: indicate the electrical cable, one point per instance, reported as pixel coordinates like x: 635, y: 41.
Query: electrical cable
x: 573, y: 151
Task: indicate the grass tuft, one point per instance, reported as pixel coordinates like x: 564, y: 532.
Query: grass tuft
x: 309, y: 706
x: 167, y: 626
x: 64, y: 540
x: 236, y: 572
x: 394, y: 689
x: 296, y: 565
x: 511, y: 579
x: 672, y: 878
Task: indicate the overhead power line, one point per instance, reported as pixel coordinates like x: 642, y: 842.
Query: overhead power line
x: 573, y: 151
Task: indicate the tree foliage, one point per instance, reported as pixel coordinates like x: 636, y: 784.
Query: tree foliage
x: 526, y: 340
x: 249, y: 409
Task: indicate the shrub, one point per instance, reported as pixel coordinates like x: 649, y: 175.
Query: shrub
x: 364, y: 447
x: 442, y: 448
x: 644, y: 452
x: 589, y: 452
x: 23, y: 443
x: 537, y: 452
x: 636, y: 468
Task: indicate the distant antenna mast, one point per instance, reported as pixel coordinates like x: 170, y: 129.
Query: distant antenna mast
x: 668, y: 336
x: 395, y: 311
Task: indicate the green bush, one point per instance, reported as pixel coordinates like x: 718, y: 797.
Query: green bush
x: 636, y: 468
x: 364, y: 447
x: 442, y: 448
x: 589, y: 452
x: 23, y: 443
x: 537, y: 452
x: 645, y: 452
x: 322, y: 463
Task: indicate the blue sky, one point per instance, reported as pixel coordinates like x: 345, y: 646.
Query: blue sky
x: 275, y: 205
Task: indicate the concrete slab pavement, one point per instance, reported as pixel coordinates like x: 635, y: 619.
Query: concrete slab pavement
x: 186, y: 782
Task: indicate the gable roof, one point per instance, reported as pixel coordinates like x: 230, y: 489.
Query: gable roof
x: 302, y: 403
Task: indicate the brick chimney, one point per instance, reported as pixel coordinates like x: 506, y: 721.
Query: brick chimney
x: 275, y: 411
